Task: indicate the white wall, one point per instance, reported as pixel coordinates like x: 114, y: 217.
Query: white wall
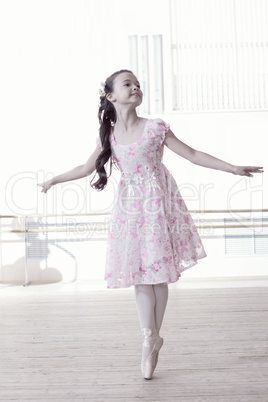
x: 55, y: 56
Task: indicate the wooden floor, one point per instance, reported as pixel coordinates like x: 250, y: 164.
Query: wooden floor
x: 59, y: 342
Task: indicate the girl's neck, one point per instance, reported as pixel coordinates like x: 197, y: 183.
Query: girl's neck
x: 126, y: 120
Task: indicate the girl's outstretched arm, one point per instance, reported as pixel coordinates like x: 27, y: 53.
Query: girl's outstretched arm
x: 76, y: 173
x: 206, y: 160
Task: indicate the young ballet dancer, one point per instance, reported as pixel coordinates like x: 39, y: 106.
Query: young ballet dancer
x: 152, y: 237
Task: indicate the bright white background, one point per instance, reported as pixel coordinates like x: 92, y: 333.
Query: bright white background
x: 54, y: 54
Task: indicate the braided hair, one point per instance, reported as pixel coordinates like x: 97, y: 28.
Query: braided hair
x: 107, y: 119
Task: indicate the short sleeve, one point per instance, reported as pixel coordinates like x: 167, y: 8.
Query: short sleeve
x: 98, y: 142
x: 162, y: 128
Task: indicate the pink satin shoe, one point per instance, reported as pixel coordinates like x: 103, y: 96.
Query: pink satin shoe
x: 154, y: 341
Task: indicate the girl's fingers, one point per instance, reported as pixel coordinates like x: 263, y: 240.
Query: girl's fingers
x: 44, y: 189
x: 256, y: 168
x: 249, y: 170
x: 253, y: 169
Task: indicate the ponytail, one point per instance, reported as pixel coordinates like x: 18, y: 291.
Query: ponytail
x: 107, y: 119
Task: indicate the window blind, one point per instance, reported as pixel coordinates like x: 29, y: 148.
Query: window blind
x: 219, y: 51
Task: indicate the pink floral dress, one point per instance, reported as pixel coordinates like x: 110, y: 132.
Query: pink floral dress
x: 152, y: 237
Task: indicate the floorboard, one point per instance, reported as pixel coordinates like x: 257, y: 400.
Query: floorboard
x: 59, y: 342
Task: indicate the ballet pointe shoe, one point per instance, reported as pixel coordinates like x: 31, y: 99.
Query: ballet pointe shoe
x: 153, y: 341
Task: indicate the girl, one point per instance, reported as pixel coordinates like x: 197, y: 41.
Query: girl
x: 151, y: 238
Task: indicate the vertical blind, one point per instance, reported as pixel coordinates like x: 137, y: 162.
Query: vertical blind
x: 219, y: 51
x: 146, y: 61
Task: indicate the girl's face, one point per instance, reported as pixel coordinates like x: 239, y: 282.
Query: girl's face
x: 126, y: 90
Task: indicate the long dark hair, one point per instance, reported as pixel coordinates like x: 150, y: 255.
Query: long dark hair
x: 107, y: 119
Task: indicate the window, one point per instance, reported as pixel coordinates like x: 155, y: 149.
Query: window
x: 246, y: 236
x: 145, y: 54
x: 219, y: 51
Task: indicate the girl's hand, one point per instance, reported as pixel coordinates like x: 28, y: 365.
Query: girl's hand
x: 46, y: 185
x: 247, y: 170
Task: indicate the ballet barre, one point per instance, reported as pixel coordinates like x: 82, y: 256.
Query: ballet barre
x: 32, y: 226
